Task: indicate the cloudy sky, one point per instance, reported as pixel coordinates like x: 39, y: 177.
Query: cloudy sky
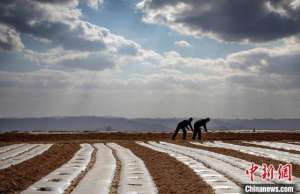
x: 150, y: 58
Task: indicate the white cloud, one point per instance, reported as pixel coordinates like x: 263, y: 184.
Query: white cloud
x: 76, y: 43
x: 9, y: 39
x: 96, y: 4
x: 272, y: 69
x: 82, y: 46
x: 182, y: 43
x: 263, y: 21
x: 295, y: 4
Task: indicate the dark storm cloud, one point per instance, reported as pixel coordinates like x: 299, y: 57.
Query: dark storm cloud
x: 57, y: 23
x: 56, y: 1
x: 61, y: 2
x: 229, y: 20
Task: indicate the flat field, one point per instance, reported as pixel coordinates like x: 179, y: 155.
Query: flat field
x: 90, y: 162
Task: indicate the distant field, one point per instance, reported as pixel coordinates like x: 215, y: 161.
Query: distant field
x: 104, y: 136
x: 34, y: 163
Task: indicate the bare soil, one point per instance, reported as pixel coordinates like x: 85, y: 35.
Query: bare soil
x: 78, y: 137
x: 14, y: 137
x: 169, y: 175
x: 18, y: 177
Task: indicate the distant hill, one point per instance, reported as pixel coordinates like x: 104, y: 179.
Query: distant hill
x: 136, y: 124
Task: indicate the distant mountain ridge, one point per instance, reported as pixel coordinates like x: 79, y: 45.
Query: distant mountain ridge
x: 134, y: 124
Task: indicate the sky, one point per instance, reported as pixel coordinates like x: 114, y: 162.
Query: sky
x: 150, y: 58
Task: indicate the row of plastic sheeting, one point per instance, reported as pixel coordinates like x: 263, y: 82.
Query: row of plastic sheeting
x: 99, y: 178
x: 135, y: 177
x: 21, y: 154
x: 264, y: 152
x: 10, y: 147
x: 278, y: 145
x: 60, y: 179
x: 220, y: 183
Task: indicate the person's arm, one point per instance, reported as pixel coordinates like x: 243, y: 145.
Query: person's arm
x: 204, y: 126
x: 191, y: 127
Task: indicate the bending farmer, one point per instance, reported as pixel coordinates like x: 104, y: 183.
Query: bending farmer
x: 185, y: 124
x: 197, y: 127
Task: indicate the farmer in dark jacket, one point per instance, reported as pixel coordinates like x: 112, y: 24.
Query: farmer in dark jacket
x: 185, y: 124
x: 197, y: 127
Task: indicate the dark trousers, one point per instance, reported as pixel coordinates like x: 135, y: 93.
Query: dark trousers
x: 197, y: 131
x: 176, y: 131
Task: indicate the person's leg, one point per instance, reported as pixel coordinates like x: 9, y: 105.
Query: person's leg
x: 184, y: 134
x: 195, y: 133
x: 175, y: 133
x: 199, y: 134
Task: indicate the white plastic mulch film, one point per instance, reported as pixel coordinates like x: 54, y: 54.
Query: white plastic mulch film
x: 60, y: 179
x: 99, y: 178
x: 135, y: 177
x: 216, y: 180
x: 15, y: 154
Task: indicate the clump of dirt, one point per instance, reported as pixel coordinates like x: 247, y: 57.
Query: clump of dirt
x: 169, y: 175
x: 18, y: 177
x: 251, y: 158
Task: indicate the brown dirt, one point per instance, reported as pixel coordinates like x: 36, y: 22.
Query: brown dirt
x: 91, y: 137
x: 115, y: 182
x: 169, y: 175
x: 27, y: 137
x: 251, y: 158
x: 18, y: 177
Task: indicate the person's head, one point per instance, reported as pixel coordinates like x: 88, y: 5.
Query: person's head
x: 190, y: 119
